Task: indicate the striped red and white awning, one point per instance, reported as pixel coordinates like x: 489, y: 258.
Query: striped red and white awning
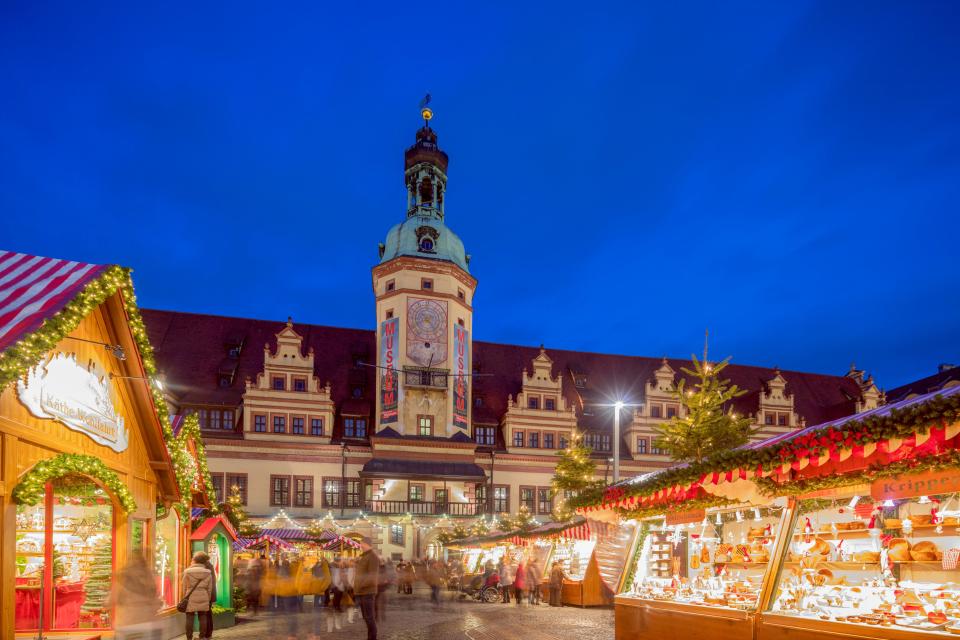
x: 33, y: 288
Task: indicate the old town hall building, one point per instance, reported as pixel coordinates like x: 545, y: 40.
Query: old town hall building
x: 415, y: 420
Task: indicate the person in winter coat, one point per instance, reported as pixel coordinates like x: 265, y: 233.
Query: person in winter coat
x: 534, y: 578
x: 506, y: 580
x: 520, y: 583
x: 556, y: 584
x: 198, y: 588
x: 365, y: 585
x: 252, y: 583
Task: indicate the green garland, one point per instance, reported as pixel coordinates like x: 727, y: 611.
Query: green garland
x: 17, y: 359
x: 949, y: 460
x: 899, y: 423
x: 31, y: 488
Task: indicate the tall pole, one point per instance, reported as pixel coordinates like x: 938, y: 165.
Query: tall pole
x: 616, y: 441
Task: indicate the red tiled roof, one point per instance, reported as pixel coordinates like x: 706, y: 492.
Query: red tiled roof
x: 191, y: 347
x: 935, y: 382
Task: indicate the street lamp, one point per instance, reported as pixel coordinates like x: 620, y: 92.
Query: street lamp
x: 616, y: 440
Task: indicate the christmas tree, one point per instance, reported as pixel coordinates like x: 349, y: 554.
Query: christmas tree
x: 523, y: 521
x: 706, y: 423
x: 574, y: 473
x: 99, y: 577
x: 237, y: 515
x: 480, y: 528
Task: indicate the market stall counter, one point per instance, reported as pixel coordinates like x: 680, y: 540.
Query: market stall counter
x: 704, y: 567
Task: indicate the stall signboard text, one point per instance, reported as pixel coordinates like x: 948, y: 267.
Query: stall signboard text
x: 60, y: 389
x: 923, y: 484
x: 389, y: 389
x: 685, y: 517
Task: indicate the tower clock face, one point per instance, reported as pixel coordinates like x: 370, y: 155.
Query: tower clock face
x: 427, y: 331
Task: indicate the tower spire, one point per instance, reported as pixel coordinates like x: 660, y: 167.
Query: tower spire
x: 425, y: 170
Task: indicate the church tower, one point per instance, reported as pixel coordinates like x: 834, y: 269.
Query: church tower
x: 424, y: 297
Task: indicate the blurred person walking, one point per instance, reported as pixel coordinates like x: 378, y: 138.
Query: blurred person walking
x: 556, y: 584
x: 534, y: 579
x: 388, y: 576
x: 366, y: 582
x: 134, y: 599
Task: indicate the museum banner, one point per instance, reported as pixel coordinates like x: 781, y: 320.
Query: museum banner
x: 389, y: 387
x: 461, y: 370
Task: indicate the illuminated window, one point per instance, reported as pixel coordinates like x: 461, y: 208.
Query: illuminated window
x: 352, y: 493
x: 426, y: 425
x: 501, y: 498
x: 544, y: 501
x: 331, y: 492
x: 303, y: 491
x: 396, y: 534
x: 528, y: 499
x: 279, y: 491
x: 417, y: 492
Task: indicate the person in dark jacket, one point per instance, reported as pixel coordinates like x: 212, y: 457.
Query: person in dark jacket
x: 366, y: 581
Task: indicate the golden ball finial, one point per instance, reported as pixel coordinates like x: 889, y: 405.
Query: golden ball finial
x: 426, y: 113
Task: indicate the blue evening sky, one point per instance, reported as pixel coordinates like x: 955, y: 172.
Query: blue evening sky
x: 624, y: 175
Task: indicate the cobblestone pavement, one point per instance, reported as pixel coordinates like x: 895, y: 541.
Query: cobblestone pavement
x: 414, y: 618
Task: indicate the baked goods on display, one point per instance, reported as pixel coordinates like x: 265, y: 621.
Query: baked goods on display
x: 719, y: 562
x: 896, y: 576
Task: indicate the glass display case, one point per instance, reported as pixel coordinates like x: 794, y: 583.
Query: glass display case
x: 861, y: 568
x: 719, y: 561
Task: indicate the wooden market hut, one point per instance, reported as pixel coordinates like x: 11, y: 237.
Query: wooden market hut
x: 87, y: 479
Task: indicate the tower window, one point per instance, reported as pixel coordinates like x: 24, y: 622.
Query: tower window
x: 426, y: 283
x: 278, y: 383
x: 426, y: 244
x: 391, y: 285
x: 389, y: 314
x: 461, y: 294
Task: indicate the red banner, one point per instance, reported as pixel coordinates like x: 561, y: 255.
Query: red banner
x: 461, y: 364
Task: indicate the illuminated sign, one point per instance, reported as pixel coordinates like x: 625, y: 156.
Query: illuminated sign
x: 461, y: 362
x: 62, y: 390
x: 389, y: 389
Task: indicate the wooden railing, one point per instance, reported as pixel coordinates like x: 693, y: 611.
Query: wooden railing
x: 413, y: 507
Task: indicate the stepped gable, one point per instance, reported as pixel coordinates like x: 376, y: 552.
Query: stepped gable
x: 190, y: 349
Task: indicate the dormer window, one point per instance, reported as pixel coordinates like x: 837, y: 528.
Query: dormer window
x: 427, y: 239
x: 580, y: 381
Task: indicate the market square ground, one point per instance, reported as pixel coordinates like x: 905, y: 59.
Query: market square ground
x: 414, y: 618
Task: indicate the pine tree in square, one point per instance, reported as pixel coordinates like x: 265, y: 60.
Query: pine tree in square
x: 99, y: 577
x: 707, y: 422
x: 574, y: 473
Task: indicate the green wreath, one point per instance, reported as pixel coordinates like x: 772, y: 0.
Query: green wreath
x: 32, y: 486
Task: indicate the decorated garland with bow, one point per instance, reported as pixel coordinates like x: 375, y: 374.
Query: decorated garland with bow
x: 938, y: 412
x: 30, y: 490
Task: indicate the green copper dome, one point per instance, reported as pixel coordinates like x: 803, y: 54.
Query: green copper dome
x: 424, y: 234
x: 424, y: 237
